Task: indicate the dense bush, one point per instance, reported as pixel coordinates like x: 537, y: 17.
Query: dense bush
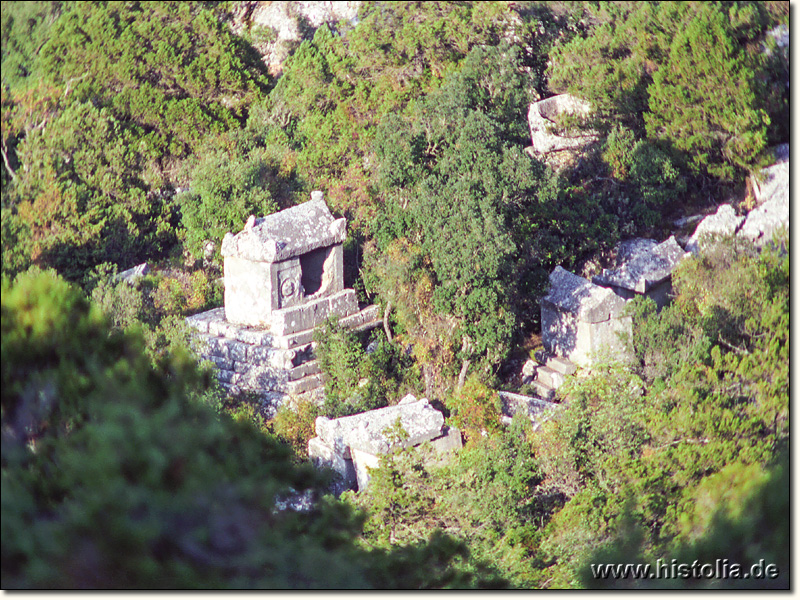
x: 356, y: 380
x: 113, y: 478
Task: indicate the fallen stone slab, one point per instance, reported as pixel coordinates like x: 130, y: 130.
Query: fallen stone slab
x: 377, y: 432
x: 535, y: 409
x: 323, y: 456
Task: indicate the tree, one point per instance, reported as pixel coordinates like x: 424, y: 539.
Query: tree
x: 115, y: 476
x: 703, y: 99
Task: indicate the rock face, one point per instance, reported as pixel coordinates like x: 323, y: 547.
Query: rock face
x: 283, y: 278
x: 137, y: 272
x: 543, y: 117
x: 352, y: 445
x: 723, y: 223
x: 582, y: 321
x: 646, y: 270
x: 770, y: 217
x: 286, y: 24
x: 772, y: 214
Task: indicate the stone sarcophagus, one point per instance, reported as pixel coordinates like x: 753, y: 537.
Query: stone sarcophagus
x: 285, y: 271
x: 283, y: 278
x: 583, y: 322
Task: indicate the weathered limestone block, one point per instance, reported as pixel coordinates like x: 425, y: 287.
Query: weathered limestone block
x: 449, y: 440
x: 134, y: 274
x: 629, y: 249
x: 648, y: 271
x: 201, y: 321
x: 543, y: 116
x: 324, y: 456
x: 368, y: 431
x: 581, y: 321
x: 529, y: 368
x: 313, y: 313
x: 363, y: 463
x: 535, y: 409
x: 723, y: 223
x: 772, y: 215
x: 364, y: 438
x: 248, y: 291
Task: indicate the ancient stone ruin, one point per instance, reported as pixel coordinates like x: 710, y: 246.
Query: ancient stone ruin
x: 644, y: 267
x: 582, y: 321
x: 351, y: 446
x: 283, y: 277
x: 543, y: 121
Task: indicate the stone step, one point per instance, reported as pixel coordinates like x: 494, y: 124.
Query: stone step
x: 543, y: 391
x: 305, y: 384
x: 549, y: 377
x: 562, y: 365
x: 366, y: 318
x: 303, y: 370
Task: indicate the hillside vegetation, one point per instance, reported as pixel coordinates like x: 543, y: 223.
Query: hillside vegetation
x: 144, y: 131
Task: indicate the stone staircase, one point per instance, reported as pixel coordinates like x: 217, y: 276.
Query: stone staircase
x: 549, y: 375
x: 253, y: 359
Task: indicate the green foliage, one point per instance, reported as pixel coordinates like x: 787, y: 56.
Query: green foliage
x: 340, y: 355
x: 720, y: 124
x: 483, y: 496
x: 462, y: 178
x: 153, y: 306
x: 25, y: 29
x: 691, y: 76
x: 122, y: 92
x: 241, y: 174
x: 652, y: 470
x: 294, y: 424
x: 611, y: 65
x: 664, y: 341
x: 113, y: 478
x: 475, y: 409
x: 81, y: 196
x: 357, y: 381
x: 174, y: 84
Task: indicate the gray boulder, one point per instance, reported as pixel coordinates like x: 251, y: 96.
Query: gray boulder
x: 723, y: 223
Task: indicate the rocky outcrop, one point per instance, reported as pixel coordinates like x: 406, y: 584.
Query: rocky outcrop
x: 772, y: 193
x: 543, y: 120
x: 277, y: 27
x: 762, y: 223
x: 723, y: 223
